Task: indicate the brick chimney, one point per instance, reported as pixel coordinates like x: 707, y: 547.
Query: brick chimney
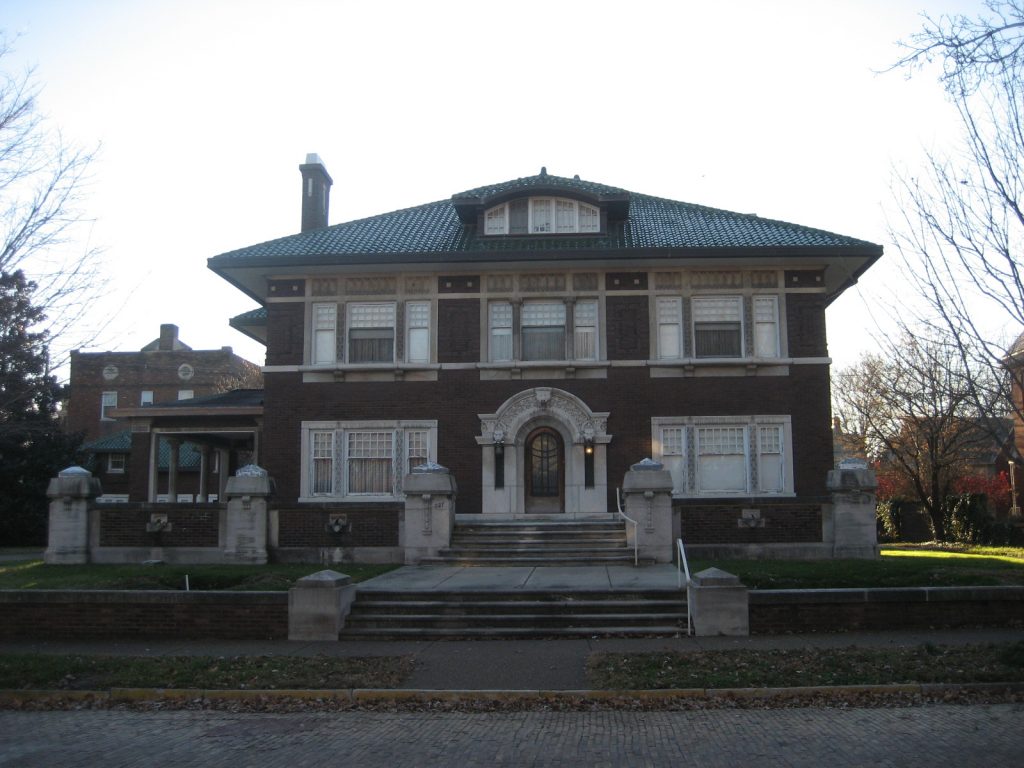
x: 316, y: 193
x: 168, y: 337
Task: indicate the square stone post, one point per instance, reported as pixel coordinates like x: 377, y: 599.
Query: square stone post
x: 719, y: 604
x: 246, y: 519
x: 429, y: 514
x: 855, y: 531
x: 318, y: 605
x: 68, y: 535
x: 647, y: 489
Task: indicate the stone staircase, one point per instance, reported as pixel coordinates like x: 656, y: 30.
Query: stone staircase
x: 587, y: 611
x: 538, y: 543
x: 509, y: 614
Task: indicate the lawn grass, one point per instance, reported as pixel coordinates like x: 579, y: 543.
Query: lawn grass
x: 97, y: 673
x: 899, y: 566
x: 276, y: 577
x: 804, y: 667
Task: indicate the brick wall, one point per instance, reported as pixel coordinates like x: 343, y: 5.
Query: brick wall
x: 376, y: 527
x: 805, y: 320
x: 126, y: 527
x: 127, y: 614
x: 285, y: 331
x: 627, y: 328
x: 720, y: 523
x: 214, y: 370
x: 846, y: 610
x: 458, y: 330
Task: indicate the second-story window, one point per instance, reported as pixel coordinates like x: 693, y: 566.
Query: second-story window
x: 543, y: 330
x: 417, y: 319
x: 371, y: 333
x: 501, y: 332
x: 325, y: 328
x: 718, y: 326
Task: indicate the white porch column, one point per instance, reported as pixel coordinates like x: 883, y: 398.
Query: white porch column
x: 172, y: 469
x: 204, y: 474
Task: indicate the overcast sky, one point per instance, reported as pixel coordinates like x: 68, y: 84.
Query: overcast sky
x: 204, y: 110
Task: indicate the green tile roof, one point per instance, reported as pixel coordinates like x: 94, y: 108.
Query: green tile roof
x: 434, y: 232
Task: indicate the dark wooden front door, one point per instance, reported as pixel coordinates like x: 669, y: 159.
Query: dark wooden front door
x: 545, y: 483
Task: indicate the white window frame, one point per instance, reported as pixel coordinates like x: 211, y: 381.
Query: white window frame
x: 497, y: 219
x: 417, y: 325
x: 146, y: 397
x: 340, y: 461
x: 108, y: 400
x: 497, y: 328
x: 687, y: 468
x: 767, y: 340
x: 668, y: 319
x: 323, y: 334
x: 115, y: 468
x: 588, y: 327
x: 542, y: 306
x: 352, y: 308
x: 186, y: 394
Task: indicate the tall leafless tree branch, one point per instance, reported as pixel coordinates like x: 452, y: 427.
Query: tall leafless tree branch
x: 42, y: 221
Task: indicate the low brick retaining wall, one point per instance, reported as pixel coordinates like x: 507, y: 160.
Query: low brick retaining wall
x: 847, y: 610
x: 84, y: 614
x: 80, y: 614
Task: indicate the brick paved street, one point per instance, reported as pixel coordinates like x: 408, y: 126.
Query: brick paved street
x: 981, y: 735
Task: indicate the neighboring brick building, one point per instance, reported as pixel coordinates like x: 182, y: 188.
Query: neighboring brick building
x: 164, y: 371
x: 537, y: 337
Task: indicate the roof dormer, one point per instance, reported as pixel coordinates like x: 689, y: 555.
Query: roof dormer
x: 542, y: 205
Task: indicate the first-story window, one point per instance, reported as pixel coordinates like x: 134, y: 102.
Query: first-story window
x: 116, y: 463
x: 371, y: 333
x: 724, y: 455
x: 146, y: 397
x: 722, y: 459
x: 322, y: 454
x: 363, y: 459
x: 369, y: 462
x: 770, y: 465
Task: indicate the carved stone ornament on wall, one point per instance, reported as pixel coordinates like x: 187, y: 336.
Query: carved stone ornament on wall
x: 369, y: 286
x: 717, y: 279
x: 499, y: 283
x: 665, y: 281
x: 585, y: 281
x: 417, y: 284
x: 325, y: 286
x: 548, y: 402
x: 541, y: 283
x: 764, y: 278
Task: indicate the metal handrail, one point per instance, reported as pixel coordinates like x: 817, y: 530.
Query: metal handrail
x: 636, y: 539
x: 680, y: 567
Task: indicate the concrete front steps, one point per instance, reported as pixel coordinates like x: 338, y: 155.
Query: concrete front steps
x: 538, y: 543
x: 510, y: 614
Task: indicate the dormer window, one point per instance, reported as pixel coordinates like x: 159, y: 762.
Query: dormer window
x: 541, y: 216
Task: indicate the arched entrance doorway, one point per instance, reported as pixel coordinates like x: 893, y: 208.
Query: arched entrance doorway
x: 545, y: 472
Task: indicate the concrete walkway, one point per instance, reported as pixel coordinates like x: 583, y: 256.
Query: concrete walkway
x: 440, y: 578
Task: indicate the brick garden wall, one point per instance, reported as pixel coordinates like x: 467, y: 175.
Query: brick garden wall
x: 847, y: 610
x: 703, y: 523
x: 191, y: 527
x: 377, y: 527
x: 127, y: 614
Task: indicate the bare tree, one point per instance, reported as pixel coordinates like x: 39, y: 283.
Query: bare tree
x: 961, y: 227
x: 916, y: 407
x: 42, y: 180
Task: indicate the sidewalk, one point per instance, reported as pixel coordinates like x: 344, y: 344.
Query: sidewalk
x: 508, y: 664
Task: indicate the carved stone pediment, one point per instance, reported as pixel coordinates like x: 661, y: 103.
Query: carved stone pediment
x: 549, y: 403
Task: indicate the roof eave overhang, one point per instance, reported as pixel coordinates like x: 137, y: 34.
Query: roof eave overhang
x: 249, y: 274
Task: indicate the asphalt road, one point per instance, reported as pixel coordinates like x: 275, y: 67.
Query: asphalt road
x: 932, y: 735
